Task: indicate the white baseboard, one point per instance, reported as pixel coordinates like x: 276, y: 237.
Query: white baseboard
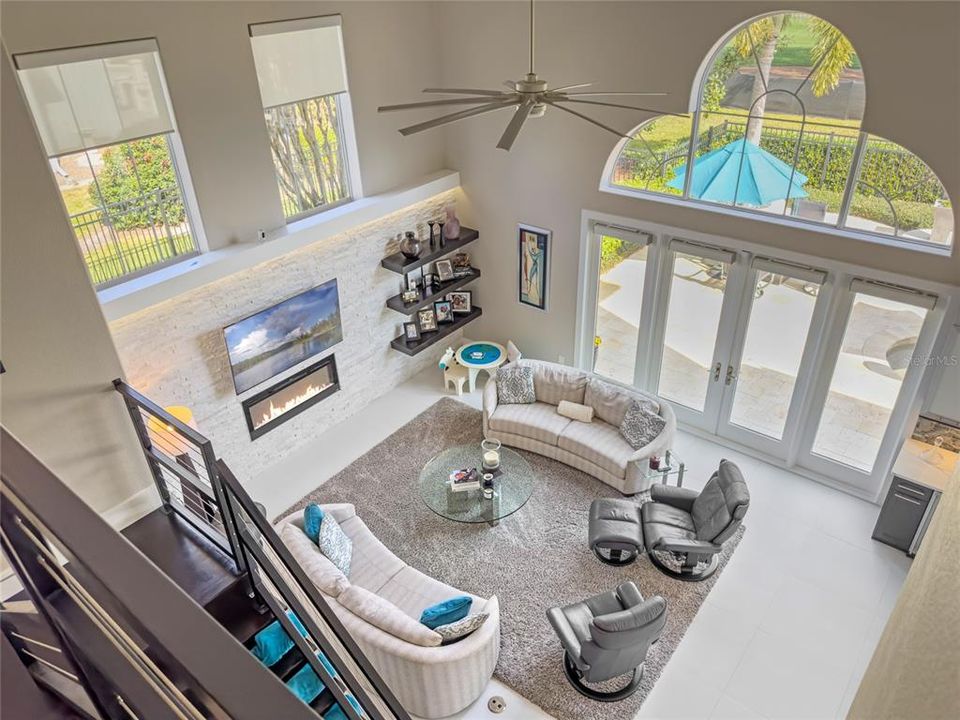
x: 133, y: 508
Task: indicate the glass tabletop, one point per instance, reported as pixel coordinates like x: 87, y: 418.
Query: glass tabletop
x: 512, y: 486
x: 670, y: 466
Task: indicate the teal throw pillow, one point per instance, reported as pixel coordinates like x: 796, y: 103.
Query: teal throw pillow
x: 312, y: 517
x: 446, y: 612
x: 272, y: 643
x: 305, y: 684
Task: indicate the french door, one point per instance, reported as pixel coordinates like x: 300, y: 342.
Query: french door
x: 726, y: 337
x: 816, y: 369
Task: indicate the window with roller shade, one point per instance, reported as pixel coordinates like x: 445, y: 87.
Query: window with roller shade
x: 107, y: 126
x: 303, y: 85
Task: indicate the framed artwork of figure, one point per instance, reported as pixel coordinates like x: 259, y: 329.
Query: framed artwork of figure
x: 534, y: 256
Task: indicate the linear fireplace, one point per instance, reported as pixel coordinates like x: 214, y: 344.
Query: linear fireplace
x: 291, y: 396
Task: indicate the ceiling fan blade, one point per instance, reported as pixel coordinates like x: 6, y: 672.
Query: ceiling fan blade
x: 625, y: 107
x: 599, y: 94
x: 513, y: 128
x: 462, y: 115
x: 512, y: 84
x: 464, y: 91
x: 569, y: 87
x: 553, y: 103
x: 433, y: 103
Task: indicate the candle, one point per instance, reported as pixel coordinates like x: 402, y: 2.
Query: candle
x: 491, y: 458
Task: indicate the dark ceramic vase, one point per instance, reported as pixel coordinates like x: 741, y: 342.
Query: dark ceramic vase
x: 410, y: 246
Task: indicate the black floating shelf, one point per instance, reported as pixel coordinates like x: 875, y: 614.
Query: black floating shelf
x: 397, y: 303
x: 399, y: 263
x: 428, y: 339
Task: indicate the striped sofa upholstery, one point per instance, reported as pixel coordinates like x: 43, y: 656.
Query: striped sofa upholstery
x: 596, y: 447
x: 430, y: 682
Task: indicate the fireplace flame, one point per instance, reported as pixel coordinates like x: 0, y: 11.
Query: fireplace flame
x: 276, y: 411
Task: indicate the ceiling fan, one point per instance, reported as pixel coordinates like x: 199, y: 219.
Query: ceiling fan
x: 530, y: 96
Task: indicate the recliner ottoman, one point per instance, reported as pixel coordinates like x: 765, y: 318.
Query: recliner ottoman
x: 615, y: 530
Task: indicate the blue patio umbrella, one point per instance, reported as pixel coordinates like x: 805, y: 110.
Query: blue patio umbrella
x: 764, y: 177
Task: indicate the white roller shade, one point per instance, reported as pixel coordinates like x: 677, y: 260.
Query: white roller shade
x: 894, y: 292
x: 707, y: 251
x: 89, y: 97
x: 298, y: 59
x: 800, y: 272
x: 624, y: 233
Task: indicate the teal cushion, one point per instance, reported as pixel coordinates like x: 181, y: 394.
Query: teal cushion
x: 446, y: 612
x: 335, y: 713
x: 272, y: 643
x: 305, y: 684
x: 312, y: 517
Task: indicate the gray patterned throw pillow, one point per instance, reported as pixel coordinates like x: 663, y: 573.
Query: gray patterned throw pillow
x: 515, y: 385
x: 641, y: 425
x: 454, y: 631
x: 334, y: 543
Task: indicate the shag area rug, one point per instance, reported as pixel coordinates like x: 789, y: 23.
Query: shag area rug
x: 534, y: 559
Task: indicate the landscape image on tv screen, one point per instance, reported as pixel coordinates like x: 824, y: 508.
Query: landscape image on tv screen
x: 279, y: 337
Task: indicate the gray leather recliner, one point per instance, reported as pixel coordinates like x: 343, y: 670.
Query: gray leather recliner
x: 606, y: 636
x: 693, y: 526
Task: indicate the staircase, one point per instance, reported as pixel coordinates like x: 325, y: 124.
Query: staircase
x: 159, y: 621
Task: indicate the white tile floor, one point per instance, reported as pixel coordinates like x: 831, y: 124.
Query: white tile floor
x: 789, y: 627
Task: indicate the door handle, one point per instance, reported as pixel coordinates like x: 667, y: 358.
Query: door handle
x: 730, y: 375
x: 716, y: 371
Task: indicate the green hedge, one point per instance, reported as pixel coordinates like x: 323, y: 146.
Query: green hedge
x: 910, y: 214
x: 130, y: 177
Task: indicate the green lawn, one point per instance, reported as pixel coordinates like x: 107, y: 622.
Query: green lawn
x: 794, y: 47
x: 77, y: 199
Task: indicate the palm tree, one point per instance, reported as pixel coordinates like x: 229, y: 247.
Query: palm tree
x: 831, y: 53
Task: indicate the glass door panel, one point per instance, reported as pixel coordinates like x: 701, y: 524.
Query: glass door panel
x: 623, y: 267
x: 697, y: 286
x: 876, y: 350
x: 773, y: 347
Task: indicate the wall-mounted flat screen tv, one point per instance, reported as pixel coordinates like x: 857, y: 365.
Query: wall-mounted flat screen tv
x: 277, y: 338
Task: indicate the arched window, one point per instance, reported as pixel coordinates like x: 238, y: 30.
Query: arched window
x: 776, y: 131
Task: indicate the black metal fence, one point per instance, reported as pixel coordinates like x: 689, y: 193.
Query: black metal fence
x: 121, y: 239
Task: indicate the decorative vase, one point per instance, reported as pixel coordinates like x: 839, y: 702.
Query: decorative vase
x: 451, y: 228
x: 410, y: 246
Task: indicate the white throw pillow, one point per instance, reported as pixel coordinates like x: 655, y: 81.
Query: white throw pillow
x: 513, y: 352
x: 324, y: 574
x: 388, y: 617
x: 451, y: 632
x: 575, y: 411
x: 334, y: 543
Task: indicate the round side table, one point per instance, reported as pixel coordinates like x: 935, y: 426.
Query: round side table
x: 477, y: 356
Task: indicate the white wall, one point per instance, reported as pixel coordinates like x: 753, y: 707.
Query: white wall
x: 208, y: 64
x: 174, y: 352
x: 56, y: 345
x: 57, y: 394
x: 909, y: 53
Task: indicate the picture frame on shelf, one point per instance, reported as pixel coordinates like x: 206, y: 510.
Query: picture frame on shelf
x: 444, y: 311
x: 410, y: 296
x: 533, y: 244
x: 411, y: 332
x: 461, y: 301
x: 413, y: 282
x: 427, y: 320
x: 444, y: 270
x: 461, y: 260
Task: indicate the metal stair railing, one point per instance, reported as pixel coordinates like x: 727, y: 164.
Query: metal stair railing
x: 141, y: 647
x: 283, y: 585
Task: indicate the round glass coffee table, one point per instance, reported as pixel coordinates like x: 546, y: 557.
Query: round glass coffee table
x: 512, y: 486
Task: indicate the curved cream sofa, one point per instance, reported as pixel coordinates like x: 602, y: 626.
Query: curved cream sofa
x: 596, y: 447
x: 431, y: 682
